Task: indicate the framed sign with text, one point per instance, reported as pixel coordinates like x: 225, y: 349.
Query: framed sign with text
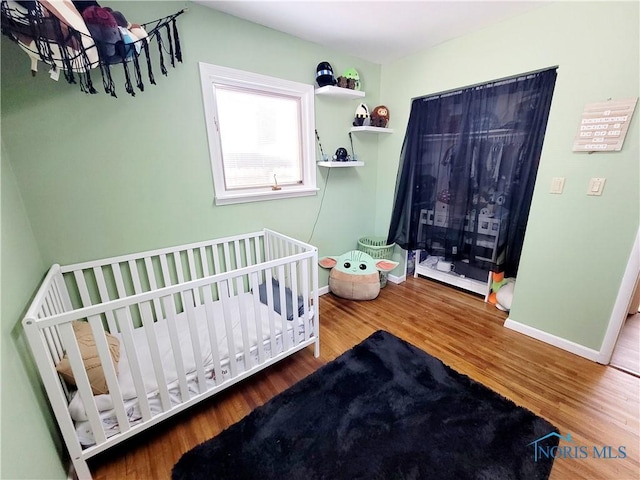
x: 604, y: 126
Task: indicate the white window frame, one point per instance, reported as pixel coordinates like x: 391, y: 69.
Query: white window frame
x: 212, y: 75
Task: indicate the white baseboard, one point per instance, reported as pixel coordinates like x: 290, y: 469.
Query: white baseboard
x: 395, y: 279
x: 545, y: 337
x: 323, y: 290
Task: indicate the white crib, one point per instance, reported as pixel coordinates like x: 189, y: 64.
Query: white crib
x: 190, y: 321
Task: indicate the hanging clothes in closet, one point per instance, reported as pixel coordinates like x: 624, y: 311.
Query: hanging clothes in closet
x: 467, y: 171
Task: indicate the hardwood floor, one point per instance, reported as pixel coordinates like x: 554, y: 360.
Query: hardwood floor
x: 626, y: 355
x: 598, y: 405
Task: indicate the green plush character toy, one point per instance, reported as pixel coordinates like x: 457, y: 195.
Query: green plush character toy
x: 355, y: 274
x: 349, y: 79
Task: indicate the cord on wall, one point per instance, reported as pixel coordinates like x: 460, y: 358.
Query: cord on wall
x: 324, y: 191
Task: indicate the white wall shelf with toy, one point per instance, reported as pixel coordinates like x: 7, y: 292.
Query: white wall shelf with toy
x: 370, y: 129
x: 350, y: 163
x: 333, y: 91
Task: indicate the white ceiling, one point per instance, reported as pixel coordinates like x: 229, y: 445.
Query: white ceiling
x: 378, y: 31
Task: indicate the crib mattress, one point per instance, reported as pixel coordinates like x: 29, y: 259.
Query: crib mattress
x: 242, y: 303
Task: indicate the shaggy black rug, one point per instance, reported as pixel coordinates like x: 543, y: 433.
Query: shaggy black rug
x: 383, y: 410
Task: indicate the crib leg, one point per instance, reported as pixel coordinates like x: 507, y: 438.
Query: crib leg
x: 80, y: 469
x: 316, y: 348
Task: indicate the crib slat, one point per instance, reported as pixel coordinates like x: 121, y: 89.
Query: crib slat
x: 104, y: 297
x: 145, y: 309
x: 295, y: 324
x: 228, y: 266
x: 258, y: 249
x: 153, y: 285
x: 178, y: 260
x: 156, y: 357
x: 239, y: 263
x: 305, y: 299
x: 204, y: 262
x: 57, y: 298
x: 164, y: 266
x: 54, y: 347
x: 82, y: 382
x: 216, y: 259
x: 213, y: 335
x: 123, y: 316
x: 135, y: 276
x: 195, y: 340
x: 60, y: 289
x: 271, y: 311
x: 228, y: 326
x: 257, y: 315
x: 117, y: 275
x: 55, y: 335
x: 247, y: 251
x: 170, y: 309
x: 193, y: 273
x: 179, y: 270
x: 109, y: 373
x: 60, y: 301
x: 286, y: 341
x: 82, y: 288
x: 246, y: 343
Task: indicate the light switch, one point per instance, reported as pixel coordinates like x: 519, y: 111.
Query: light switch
x: 596, y: 185
x: 557, y: 185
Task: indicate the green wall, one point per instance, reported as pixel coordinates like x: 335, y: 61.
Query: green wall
x: 576, y: 247
x: 105, y: 176
x: 91, y: 176
x: 100, y: 176
x: 29, y: 441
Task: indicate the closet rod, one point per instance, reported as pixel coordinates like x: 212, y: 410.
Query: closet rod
x: 479, y: 84
x: 481, y: 133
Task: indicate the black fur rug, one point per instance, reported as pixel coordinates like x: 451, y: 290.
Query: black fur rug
x: 383, y: 410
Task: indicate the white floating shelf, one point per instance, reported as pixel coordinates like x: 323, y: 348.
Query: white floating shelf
x: 340, y: 164
x: 372, y: 129
x: 332, y: 91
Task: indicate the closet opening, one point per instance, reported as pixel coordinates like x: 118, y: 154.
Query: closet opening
x: 466, y: 176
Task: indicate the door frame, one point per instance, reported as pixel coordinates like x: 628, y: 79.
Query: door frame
x: 630, y: 280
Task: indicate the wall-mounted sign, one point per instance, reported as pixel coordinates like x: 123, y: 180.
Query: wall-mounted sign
x: 604, y: 126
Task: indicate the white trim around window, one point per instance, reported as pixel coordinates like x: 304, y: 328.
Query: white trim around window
x: 237, y: 184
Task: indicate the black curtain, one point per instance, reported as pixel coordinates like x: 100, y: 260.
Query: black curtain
x: 467, y: 170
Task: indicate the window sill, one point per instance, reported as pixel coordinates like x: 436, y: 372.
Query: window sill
x: 230, y: 199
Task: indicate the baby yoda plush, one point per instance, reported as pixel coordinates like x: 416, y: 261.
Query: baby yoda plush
x: 354, y: 275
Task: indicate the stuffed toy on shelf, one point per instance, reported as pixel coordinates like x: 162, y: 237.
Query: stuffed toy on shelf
x: 350, y: 79
x: 361, y: 118
x: 380, y: 116
x: 324, y: 74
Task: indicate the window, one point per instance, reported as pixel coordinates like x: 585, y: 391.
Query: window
x: 261, y: 135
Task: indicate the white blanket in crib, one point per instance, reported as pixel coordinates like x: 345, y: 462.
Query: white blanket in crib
x: 239, y: 306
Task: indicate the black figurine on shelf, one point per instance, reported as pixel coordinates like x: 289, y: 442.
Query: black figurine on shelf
x: 341, y: 155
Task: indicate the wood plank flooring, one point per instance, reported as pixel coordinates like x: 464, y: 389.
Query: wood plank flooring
x: 626, y: 355
x: 598, y: 405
